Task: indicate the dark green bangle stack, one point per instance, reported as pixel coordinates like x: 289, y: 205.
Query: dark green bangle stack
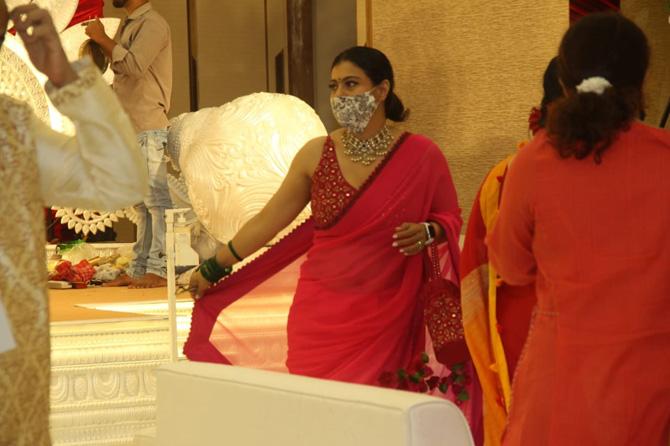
x: 212, y: 271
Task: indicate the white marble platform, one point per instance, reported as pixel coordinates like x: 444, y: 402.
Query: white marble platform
x: 103, y: 387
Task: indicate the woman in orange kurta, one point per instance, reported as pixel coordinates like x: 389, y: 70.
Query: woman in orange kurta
x: 585, y: 213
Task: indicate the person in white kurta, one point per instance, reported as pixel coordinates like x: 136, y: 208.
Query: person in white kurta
x: 99, y: 168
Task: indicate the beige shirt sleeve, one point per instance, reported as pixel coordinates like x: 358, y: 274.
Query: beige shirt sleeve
x: 100, y: 168
x: 148, y: 43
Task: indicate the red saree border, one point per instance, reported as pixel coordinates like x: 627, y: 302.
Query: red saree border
x: 244, y: 280
x: 367, y: 183
x: 304, y: 225
x: 206, y: 311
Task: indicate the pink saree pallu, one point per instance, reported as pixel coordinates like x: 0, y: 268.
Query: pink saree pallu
x: 355, y: 308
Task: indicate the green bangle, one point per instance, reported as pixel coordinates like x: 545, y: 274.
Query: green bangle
x: 233, y: 252
x: 212, y: 271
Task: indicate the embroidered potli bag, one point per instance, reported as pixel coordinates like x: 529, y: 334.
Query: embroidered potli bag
x: 442, y: 313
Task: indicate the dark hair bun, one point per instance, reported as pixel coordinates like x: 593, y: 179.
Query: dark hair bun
x: 606, y: 45
x: 377, y: 67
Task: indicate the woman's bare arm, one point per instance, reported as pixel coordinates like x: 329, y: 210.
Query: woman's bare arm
x: 284, y: 206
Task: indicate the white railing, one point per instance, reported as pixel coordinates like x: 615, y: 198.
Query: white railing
x: 179, y: 253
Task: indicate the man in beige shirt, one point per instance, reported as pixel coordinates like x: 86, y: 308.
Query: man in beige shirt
x: 141, y: 55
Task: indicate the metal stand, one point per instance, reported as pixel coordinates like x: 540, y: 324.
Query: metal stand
x: 179, y: 253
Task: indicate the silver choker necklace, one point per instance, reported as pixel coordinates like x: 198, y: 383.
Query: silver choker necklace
x: 367, y: 151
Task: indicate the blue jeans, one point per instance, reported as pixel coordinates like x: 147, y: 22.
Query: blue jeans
x: 149, y: 249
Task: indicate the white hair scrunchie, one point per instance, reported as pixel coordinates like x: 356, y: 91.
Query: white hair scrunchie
x: 594, y: 84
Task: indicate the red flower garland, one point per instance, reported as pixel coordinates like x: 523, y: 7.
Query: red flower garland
x: 420, y: 378
x: 534, y: 120
x: 82, y: 272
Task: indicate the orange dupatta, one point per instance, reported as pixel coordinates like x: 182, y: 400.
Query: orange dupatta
x: 480, y: 293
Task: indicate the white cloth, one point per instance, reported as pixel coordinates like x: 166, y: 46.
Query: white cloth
x: 6, y: 339
x: 595, y: 84
x: 100, y: 168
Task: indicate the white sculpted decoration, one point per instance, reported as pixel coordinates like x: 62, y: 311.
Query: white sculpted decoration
x: 85, y: 221
x: 23, y: 82
x: 75, y: 36
x: 234, y: 157
x: 19, y: 80
x: 232, y: 160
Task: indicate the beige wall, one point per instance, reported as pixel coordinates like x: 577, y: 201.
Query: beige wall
x: 652, y: 17
x: 469, y: 71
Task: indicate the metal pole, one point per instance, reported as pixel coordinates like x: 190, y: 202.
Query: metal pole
x: 171, y: 282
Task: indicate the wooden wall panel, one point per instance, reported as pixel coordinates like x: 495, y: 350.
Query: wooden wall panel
x: 231, y: 49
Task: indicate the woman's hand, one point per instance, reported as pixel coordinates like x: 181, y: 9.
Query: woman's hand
x: 198, y: 285
x: 410, y: 238
x: 42, y: 43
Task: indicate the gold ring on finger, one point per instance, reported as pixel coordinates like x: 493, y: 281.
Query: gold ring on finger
x: 419, y: 244
x: 30, y: 30
x: 23, y: 17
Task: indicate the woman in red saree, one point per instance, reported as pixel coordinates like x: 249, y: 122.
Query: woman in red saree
x: 378, y: 197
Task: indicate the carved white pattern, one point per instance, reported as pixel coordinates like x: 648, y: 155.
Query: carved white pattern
x: 234, y: 157
x: 51, y: 116
x: 85, y: 221
x: 103, y: 387
x: 19, y: 82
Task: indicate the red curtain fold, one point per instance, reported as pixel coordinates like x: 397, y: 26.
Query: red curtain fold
x: 580, y: 8
x: 87, y: 10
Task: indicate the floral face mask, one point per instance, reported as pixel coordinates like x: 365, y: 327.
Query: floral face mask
x: 354, y: 112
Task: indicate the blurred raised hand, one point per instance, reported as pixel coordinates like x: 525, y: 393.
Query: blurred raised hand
x: 40, y: 38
